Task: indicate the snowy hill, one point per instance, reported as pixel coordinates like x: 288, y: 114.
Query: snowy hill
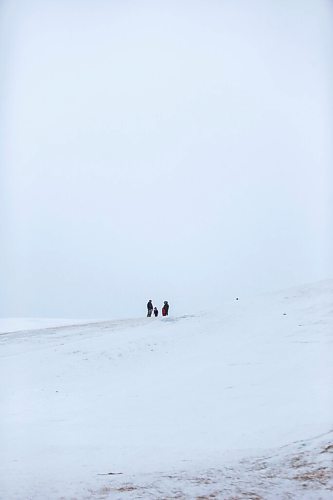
x: 232, y: 403
x: 18, y: 324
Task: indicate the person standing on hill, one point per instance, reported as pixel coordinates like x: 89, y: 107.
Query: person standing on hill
x: 150, y: 308
x: 165, y: 309
x: 155, y: 312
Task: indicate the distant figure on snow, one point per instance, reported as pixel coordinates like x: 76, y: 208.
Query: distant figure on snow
x: 149, y: 308
x: 155, y: 312
x: 165, y: 308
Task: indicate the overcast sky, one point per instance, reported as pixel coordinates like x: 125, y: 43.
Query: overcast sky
x: 173, y: 150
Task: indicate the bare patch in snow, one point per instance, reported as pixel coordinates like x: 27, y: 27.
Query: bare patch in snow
x: 295, y: 471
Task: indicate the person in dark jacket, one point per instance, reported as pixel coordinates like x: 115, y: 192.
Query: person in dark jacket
x: 155, y: 312
x: 150, y: 308
x: 165, y: 309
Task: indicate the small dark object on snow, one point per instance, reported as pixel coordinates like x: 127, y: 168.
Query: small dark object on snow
x: 237, y: 298
x: 109, y: 474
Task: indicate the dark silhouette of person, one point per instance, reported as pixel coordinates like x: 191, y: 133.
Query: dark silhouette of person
x: 155, y: 312
x: 165, y: 309
x: 150, y: 308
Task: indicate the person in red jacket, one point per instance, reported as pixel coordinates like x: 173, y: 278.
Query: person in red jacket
x: 165, y: 308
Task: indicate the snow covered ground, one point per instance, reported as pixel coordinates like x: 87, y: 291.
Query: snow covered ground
x: 232, y: 404
x: 16, y: 324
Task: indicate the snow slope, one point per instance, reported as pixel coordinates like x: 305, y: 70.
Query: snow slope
x: 190, y: 405
x: 17, y: 324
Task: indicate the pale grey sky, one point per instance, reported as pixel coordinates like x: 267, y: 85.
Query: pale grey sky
x: 176, y: 150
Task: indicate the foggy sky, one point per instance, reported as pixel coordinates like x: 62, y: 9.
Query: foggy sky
x: 172, y: 150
